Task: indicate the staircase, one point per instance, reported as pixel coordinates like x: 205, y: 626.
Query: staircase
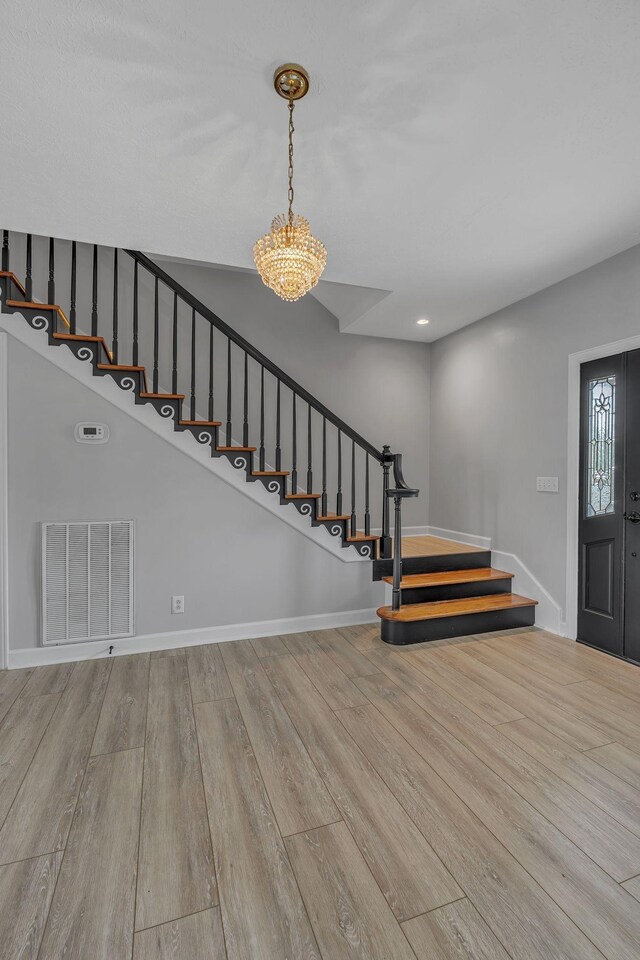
x: 134, y: 323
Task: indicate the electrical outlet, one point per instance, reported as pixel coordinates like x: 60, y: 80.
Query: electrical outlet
x: 547, y: 484
x: 177, y: 604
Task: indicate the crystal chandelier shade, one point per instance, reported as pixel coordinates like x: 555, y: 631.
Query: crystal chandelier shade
x: 289, y: 258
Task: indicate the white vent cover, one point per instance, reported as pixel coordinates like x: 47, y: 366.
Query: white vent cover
x: 87, y: 580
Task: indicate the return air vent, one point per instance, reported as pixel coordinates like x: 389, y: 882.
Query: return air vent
x: 87, y: 580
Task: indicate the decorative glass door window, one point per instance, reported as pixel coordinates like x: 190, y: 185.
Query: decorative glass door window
x: 599, y: 459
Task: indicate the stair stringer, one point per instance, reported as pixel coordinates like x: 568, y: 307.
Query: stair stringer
x: 145, y: 414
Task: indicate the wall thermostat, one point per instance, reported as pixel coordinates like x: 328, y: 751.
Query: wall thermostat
x: 91, y: 432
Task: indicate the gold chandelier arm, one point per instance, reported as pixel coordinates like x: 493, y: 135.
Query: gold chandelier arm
x: 290, y: 171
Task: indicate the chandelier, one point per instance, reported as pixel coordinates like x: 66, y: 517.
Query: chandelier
x: 289, y: 258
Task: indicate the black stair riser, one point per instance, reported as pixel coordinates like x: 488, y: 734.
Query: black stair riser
x: 398, y: 633
x: 455, y: 591
x: 434, y: 564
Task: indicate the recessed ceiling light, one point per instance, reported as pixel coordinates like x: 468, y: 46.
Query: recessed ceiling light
x: 422, y: 322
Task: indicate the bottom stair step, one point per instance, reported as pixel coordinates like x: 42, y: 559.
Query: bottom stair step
x: 417, y: 622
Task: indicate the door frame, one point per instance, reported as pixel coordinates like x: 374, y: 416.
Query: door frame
x: 573, y: 467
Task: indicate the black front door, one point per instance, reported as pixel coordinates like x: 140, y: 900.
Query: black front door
x: 609, y: 561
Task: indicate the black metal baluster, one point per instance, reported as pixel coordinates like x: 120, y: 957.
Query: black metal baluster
x: 339, y: 494
x: 51, y: 287
x: 367, y: 514
x: 94, y: 293
x: 294, y: 448
x: 134, y: 358
x: 385, y: 539
x: 324, y: 503
x: 210, y: 407
x: 228, y: 392
x: 193, y: 364
x: 114, y: 339
x: 353, y: 489
x: 28, y: 282
x: 245, y: 420
x: 262, y: 458
x: 5, y: 250
x: 156, y: 331
x: 72, y: 298
x: 309, y: 452
x: 174, y: 361
x: 278, y: 450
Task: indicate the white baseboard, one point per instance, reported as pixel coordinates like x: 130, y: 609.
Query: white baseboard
x: 66, y: 653
x: 472, y: 539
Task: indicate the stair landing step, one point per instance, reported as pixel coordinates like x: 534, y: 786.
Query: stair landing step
x: 449, y: 577
x: 412, y: 612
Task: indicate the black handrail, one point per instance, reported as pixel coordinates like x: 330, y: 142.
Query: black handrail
x: 244, y: 345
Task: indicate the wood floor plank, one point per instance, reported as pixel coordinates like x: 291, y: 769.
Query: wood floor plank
x: 580, y: 770
x: 124, y: 710
x: 262, y: 910
x: 454, y: 932
x: 329, y: 680
x: 350, y: 917
x: 175, y: 872
x: 298, y: 795
x: 408, y: 872
x: 93, y: 906
x: 171, y: 652
x: 633, y: 887
x: 26, y: 889
x: 11, y: 684
x: 300, y: 643
x: 534, y: 657
x: 483, y: 703
x: 197, y: 937
x: 41, y: 815
x: 269, y: 646
x: 20, y: 734
x: 363, y: 637
x: 52, y: 678
x: 587, y: 894
x: 621, y: 761
x: 207, y: 674
x: 348, y: 658
x: 532, y: 926
x: 578, y: 733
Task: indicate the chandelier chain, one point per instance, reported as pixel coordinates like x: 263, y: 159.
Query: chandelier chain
x: 290, y: 170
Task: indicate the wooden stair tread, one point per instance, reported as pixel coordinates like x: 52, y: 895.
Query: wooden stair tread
x: 162, y: 396
x: 451, y: 576
x: 334, y: 516
x: 201, y: 423
x: 455, y: 608
x: 302, y: 496
x: 363, y: 536
x: 76, y: 336
x: 240, y: 449
x: 12, y: 276
x: 117, y: 366
x: 270, y: 473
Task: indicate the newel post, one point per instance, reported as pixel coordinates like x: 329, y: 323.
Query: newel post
x: 385, y: 539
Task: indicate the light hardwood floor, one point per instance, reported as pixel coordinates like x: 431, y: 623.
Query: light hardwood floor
x: 322, y: 796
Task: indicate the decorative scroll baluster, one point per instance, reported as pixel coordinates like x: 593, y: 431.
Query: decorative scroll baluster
x: 51, y: 287
x: 354, y: 523
x: 134, y: 357
x: 114, y: 340
x: 324, y: 504
x: 309, y: 452
x: 245, y: 418
x: 193, y: 365
x: 156, y: 332
x: 367, y: 514
x: 94, y: 293
x: 294, y: 448
x: 228, y: 392
x: 5, y: 250
x: 28, y: 284
x: 210, y: 406
x: 72, y: 296
x: 278, y: 449
x: 339, y: 493
x: 261, y: 454
x: 174, y: 359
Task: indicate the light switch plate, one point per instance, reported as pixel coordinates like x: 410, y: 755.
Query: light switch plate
x: 547, y: 484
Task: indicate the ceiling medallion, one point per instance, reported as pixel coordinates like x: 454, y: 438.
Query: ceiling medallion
x: 289, y: 258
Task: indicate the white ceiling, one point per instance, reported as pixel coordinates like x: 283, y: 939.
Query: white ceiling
x: 483, y: 151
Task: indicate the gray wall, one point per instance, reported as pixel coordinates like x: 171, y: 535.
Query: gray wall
x: 232, y: 560
x: 499, y: 412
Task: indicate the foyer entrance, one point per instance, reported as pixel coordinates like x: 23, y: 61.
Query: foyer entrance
x: 609, y: 504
